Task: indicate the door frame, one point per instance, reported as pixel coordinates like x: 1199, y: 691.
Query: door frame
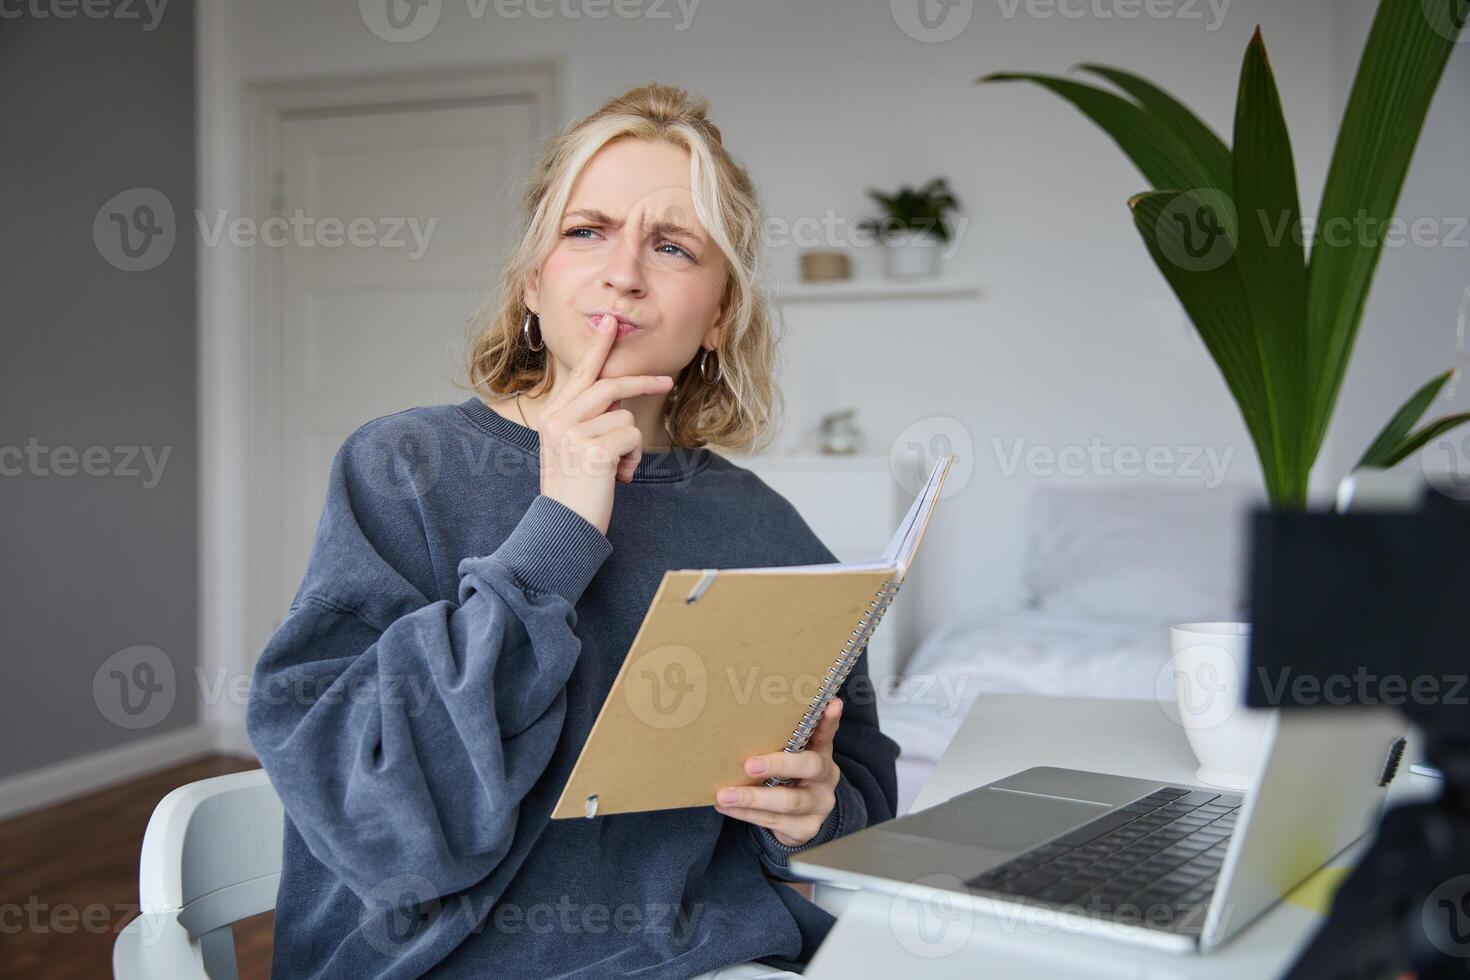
x: 240, y: 560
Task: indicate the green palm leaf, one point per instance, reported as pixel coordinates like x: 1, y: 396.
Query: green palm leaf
x: 1222, y: 225
x: 1272, y: 262
x: 1402, y: 63
x: 1387, y: 444
x: 1419, y: 439
x: 1208, y: 148
x: 1155, y: 149
x: 1211, y: 292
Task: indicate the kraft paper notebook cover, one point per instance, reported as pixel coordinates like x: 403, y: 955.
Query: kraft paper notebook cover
x: 731, y: 663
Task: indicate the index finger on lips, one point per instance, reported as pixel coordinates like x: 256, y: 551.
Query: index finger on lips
x: 589, y: 365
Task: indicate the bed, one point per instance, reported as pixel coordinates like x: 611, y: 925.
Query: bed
x: 1107, y: 571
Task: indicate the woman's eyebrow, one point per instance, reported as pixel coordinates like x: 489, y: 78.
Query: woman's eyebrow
x: 597, y: 217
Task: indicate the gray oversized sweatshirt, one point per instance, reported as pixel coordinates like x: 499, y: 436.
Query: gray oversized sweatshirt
x: 421, y: 706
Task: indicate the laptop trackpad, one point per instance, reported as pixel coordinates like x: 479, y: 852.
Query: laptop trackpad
x: 998, y: 818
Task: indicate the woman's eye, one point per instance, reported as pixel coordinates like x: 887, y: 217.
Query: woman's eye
x: 575, y: 233
x: 680, y: 249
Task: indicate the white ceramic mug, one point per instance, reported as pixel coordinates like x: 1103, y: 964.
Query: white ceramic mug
x: 1203, y: 688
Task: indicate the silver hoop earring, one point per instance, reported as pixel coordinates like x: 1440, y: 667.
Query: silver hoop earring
x: 526, y: 332
x: 704, y: 370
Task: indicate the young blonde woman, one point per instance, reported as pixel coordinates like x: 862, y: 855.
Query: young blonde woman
x: 480, y: 571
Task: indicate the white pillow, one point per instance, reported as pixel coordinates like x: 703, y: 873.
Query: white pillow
x: 1145, y: 554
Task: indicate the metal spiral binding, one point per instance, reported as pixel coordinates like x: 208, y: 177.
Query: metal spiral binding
x: 838, y: 672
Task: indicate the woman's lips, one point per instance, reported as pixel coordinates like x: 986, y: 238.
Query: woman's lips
x: 624, y: 329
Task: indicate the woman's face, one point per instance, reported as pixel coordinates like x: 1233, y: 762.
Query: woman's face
x: 630, y: 244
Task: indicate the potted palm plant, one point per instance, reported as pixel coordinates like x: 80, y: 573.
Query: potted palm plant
x: 912, y: 228
x: 1223, y: 225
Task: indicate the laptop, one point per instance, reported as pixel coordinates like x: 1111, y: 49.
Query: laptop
x: 1173, y: 866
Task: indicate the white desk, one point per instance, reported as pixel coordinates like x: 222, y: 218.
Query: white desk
x: 882, y: 935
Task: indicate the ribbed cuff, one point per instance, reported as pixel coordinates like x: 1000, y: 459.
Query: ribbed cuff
x: 849, y: 813
x: 554, y: 550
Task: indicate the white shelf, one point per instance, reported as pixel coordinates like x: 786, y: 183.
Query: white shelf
x: 850, y: 289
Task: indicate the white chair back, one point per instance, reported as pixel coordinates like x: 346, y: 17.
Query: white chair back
x: 211, y: 857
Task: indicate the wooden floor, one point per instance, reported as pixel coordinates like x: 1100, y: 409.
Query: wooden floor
x: 69, y: 879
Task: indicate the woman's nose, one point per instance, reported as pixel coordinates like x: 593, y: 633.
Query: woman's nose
x: 624, y: 270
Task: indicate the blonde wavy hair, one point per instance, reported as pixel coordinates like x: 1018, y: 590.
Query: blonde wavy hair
x: 740, y: 410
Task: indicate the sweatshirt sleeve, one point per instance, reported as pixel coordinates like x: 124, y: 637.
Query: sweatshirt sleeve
x: 402, y: 734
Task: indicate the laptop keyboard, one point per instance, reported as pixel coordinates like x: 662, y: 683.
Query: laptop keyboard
x: 1153, y: 862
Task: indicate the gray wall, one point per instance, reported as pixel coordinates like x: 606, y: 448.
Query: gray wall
x: 95, y: 356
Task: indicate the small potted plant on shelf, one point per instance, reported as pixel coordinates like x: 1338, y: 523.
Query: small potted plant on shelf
x: 912, y: 228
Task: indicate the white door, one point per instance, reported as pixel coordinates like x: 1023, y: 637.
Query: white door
x: 401, y: 216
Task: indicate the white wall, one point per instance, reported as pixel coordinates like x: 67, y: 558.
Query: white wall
x: 1408, y: 331
x: 1075, y: 337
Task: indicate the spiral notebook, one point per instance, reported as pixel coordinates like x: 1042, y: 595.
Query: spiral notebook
x: 730, y: 663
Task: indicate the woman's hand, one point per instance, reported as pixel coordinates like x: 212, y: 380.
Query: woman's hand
x: 793, y: 814
x: 587, y: 441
